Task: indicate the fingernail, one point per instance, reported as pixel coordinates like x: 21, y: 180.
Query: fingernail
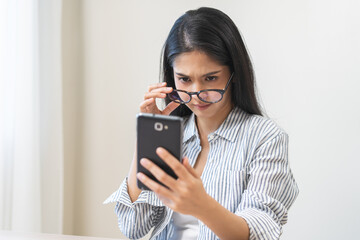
x: 169, y: 88
x: 139, y: 176
x: 144, y: 162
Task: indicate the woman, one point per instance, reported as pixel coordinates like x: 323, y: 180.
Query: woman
x: 235, y: 181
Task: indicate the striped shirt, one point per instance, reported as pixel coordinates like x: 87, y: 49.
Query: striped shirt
x: 247, y: 171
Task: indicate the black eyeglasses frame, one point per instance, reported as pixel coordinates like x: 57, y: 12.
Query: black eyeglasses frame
x: 221, y: 91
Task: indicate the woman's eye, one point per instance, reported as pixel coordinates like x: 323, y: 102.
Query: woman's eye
x: 211, y: 78
x: 184, y: 79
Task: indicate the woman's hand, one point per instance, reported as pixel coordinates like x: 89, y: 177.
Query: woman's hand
x: 158, y: 90
x: 186, y: 194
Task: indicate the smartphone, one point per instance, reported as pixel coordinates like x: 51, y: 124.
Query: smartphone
x: 155, y: 131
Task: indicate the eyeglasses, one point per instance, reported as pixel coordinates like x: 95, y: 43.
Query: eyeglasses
x: 206, y: 95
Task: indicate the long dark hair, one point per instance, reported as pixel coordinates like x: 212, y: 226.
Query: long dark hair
x: 212, y: 32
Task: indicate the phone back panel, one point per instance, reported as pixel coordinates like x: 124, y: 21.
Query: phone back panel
x: 155, y: 131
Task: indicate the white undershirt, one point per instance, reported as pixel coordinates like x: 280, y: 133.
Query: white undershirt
x: 185, y: 227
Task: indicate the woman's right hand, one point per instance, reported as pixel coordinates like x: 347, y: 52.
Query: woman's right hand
x: 158, y: 90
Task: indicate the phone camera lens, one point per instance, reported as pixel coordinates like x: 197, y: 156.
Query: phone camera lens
x: 158, y: 126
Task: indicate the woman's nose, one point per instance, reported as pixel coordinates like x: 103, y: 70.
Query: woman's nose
x: 195, y: 96
x: 197, y: 87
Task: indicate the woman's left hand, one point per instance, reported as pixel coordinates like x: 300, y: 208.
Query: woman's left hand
x: 186, y: 194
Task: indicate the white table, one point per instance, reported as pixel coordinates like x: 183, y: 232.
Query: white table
x: 9, y: 235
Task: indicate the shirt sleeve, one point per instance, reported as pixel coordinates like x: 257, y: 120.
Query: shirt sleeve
x: 135, y: 219
x: 270, y: 191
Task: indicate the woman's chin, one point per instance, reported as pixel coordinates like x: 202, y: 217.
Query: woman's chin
x: 202, y: 110
x: 202, y: 107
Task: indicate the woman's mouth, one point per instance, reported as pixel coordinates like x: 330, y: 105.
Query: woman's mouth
x: 201, y: 106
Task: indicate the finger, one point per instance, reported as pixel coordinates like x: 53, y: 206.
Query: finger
x: 173, y: 163
x: 156, y: 85
x: 145, y: 104
x: 154, y: 95
x: 158, y: 173
x: 154, y: 186
x: 170, y: 107
x: 189, y: 167
x: 162, y: 89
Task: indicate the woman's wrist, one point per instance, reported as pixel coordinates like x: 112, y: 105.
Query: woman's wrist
x: 206, y: 209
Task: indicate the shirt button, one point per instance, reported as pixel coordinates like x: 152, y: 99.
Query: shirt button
x: 211, y: 137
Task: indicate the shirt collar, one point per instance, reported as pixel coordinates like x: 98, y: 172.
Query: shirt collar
x: 190, y: 128
x: 231, y: 125
x: 227, y: 130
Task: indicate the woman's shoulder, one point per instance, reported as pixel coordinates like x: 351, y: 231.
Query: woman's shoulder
x: 261, y: 127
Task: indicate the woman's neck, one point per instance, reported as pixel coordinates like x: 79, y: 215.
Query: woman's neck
x: 206, y: 126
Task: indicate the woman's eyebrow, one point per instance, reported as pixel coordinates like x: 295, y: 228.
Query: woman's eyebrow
x: 207, y: 74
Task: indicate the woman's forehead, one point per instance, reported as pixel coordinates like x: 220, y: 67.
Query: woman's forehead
x: 196, y: 62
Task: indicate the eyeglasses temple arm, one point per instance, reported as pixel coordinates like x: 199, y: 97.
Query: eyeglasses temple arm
x: 229, y: 81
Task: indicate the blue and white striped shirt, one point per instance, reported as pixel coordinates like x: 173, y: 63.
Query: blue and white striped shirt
x: 247, y: 171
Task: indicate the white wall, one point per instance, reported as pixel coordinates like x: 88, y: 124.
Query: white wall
x: 306, y: 57
x: 72, y: 111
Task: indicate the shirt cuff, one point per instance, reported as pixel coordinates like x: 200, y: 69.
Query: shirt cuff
x: 261, y: 225
x: 122, y: 196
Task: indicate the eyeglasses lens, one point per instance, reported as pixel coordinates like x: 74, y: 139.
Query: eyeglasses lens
x: 210, y: 96
x: 179, y: 97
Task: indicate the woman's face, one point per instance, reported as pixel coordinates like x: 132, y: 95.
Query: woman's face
x: 195, y: 71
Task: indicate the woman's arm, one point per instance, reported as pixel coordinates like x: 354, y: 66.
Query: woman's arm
x: 136, y: 212
x: 133, y: 190
x: 225, y: 224
x: 135, y: 219
x: 270, y: 192
x: 187, y: 195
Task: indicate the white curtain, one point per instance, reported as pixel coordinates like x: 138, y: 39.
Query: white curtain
x: 31, y: 149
